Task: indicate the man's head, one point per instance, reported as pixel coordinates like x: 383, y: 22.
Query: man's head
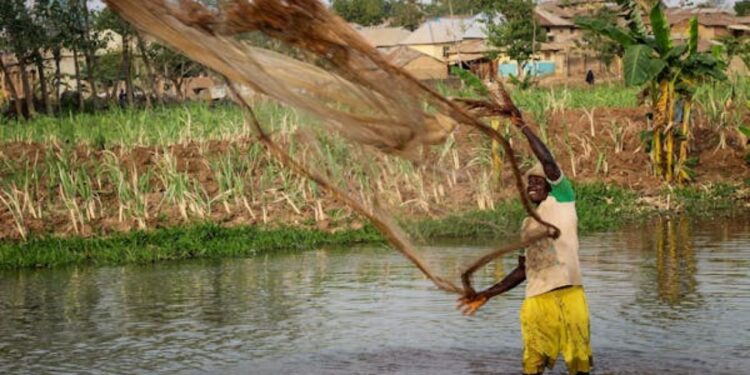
x: 537, y: 186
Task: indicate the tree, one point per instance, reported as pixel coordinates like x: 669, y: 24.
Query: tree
x: 174, y: 66
x: 363, y: 12
x: 736, y: 46
x: 86, y: 39
x: 438, y: 8
x: 742, y: 8
x: 145, y: 56
x: 11, y: 87
x: 54, y: 15
x: 671, y: 72
x: 21, y: 38
x: 517, y: 35
x: 407, y: 14
x: 604, y: 48
x: 45, y: 40
x: 107, y: 20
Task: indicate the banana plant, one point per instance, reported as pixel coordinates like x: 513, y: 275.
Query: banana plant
x: 670, y: 72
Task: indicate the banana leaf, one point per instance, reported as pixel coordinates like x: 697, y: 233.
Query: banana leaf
x: 640, y: 65
x: 693, y: 36
x: 607, y: 30
x: 661, y: 29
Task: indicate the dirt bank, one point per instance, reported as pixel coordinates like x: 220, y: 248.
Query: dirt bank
x: 599, y: 146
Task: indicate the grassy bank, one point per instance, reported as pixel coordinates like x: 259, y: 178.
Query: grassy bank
x: 600, y: 208
x: 111, y: 181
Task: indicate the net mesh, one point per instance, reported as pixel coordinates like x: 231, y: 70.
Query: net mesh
x: 375, y: 114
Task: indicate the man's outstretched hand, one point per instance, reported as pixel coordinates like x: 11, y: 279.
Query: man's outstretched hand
x: 470, y: 305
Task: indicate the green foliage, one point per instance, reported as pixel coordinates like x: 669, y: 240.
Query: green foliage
x: 407, y: 14
x: 654, y: 57
x: 109, y: 20
x: 736, y: 46
x: 639, y: 66
x: 20, y: 33
x: 110, y: 67
x: 524, y: 83
x: 633, y: 17
x: 673, y: 73
x: 661, y: 30
x: 439, y: 8
x: 80, y: 34
x: 707, y: 200
x: 742, y: 8
x: 363, y: 12
x: 473, y: 86
x: 606, y: 49
x: 517, y: 35
x: 205, y: 240
x: 544, y: 98
x: 174, y: 66
x: 603, y: 207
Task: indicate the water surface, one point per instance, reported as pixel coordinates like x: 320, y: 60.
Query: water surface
x: 666, y: 297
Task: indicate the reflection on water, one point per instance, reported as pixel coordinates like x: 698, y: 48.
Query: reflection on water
x: 671, y: 296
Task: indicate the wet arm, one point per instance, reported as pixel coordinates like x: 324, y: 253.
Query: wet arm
x: 551, y: 170
x: 510, y: 281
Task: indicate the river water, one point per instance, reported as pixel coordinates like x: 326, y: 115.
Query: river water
x: 669, y: 296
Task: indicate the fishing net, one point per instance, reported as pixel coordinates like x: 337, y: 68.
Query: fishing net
x: 379, y: 117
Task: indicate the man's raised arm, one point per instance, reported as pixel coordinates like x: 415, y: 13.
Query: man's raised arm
x: 551, y: 170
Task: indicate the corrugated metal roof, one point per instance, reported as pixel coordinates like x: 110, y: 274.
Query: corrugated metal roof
x: 705, y: 16
x: 465, y: 57
x: 383, y: 36
x: 404, y: 55
x: 739, y: 27
x: 445, y: 30
x: 470, y: 46
x: 547, y: 18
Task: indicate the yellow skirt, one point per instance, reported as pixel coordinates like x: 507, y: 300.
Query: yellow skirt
x: 554, y: 323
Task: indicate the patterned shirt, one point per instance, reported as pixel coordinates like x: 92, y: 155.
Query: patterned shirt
x: 551, y: 264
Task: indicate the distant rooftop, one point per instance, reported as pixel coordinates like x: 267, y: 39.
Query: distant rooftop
x: 403, y: 55
x: 380, y: 36
x: 547, y: 18
x: 447, y: 30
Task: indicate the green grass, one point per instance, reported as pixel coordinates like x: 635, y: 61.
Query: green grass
x: 600, y: 207
x: 204, y: 240
x: 159, y: 126
x: 716, y: 198
x: 605, y: 95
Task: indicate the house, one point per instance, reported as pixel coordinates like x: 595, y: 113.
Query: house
x: 712, y: 23
x: 385, y: 39
x: 435, y: 37
x: 421, y: 65
x: 474, y: 55
x: 558, y: 29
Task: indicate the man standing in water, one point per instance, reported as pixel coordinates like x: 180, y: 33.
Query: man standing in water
x: 554, y: 315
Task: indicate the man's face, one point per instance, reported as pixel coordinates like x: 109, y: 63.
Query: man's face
x: 538, y: 189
